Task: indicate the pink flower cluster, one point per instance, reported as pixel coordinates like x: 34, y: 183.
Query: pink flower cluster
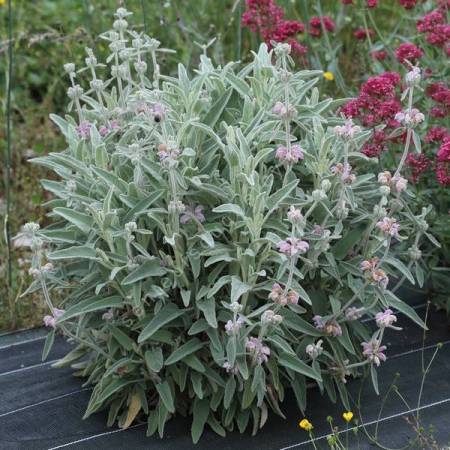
x: 292, y: 155
x: 345, y: 172
x: 166, y: 152
x: 385, y: 319
x: 374, y: 351
x: 374, y: 274
x: 277, y: 295
x: 50, y: 321
x: 106, y: 129
x: 267, y: 18
x: 192, y: 213
x: 84, y: 129
x: 260, y: 351
x: 377, y: 103
x: 293, y: 246
x: 234, y: 327
x: 389, y: 226
x: 329, y: 327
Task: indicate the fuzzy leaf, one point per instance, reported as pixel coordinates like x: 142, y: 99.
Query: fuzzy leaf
x: 166, y: 315
x: 297, y: 365
x: 165, y: 395
x: 92, y: 304
x: 186, y: 349
x: 150, y: 268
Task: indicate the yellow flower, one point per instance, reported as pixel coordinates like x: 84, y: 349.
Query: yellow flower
x: 305, y: 424
x: 348, y: 416
x: 2, y: 2
x: 328, y: 76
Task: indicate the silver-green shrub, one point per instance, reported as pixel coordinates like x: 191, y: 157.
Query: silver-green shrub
x: 217, y: 237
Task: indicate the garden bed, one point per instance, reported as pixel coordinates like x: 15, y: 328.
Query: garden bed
x: 41, y: 407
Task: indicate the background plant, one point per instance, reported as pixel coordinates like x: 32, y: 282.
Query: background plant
x: 213, y: 242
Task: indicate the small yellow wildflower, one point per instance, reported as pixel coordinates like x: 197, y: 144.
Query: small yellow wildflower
x: 328, y: 76
x: 305, y: 424
x: 2, y: 2
x: 348, y: 416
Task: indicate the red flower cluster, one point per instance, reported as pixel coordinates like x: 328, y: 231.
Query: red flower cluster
x: 408, y: 4
x: 315, y: 25
x: 363, y: 33
x: 408, y: 52
x: 443, y: 163
x: 440, y: 93
x: 436, y: 134
x: 436, y: 28
x: 376, y: 104
x: 380, y: 55
x: 418, y: 163
x: 267, y: 18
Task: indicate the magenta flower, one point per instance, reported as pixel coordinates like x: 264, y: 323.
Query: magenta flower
x: 290, y: 156
x: 234, y: 327
x: 50, y: 321
x: 354, y: 313
x: 158, y: 111
x: 192, y: 213
x: 260, y: 351
x: 385, y: 319
x: 105, y: 130
x: 329, y: 327
x: 389, y: 226
x: 345, y: 172
x: 348, y: 130
x: 293, y: 246
x: 369, y: 264
x: 83, y: 130
x: 373, y: 351
x: 165, y: 152
x: 277, y: 295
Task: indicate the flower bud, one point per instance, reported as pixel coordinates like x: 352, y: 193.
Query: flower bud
x: 414, y: 253
x: 282, y: 49
x: 69, y: 68
x: 120, y: 25
x: 176, y: 206
x: 326, y: 185
x: 97, y: 85
x: 295, y: 216
x: 140, y: 67
x: 75, y: 92
x: 236, y: 307
x: 314, y: 350
x: 413, y: 77
x: 385, y: 190
x: 423, y: 226
x: 318, y: 195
